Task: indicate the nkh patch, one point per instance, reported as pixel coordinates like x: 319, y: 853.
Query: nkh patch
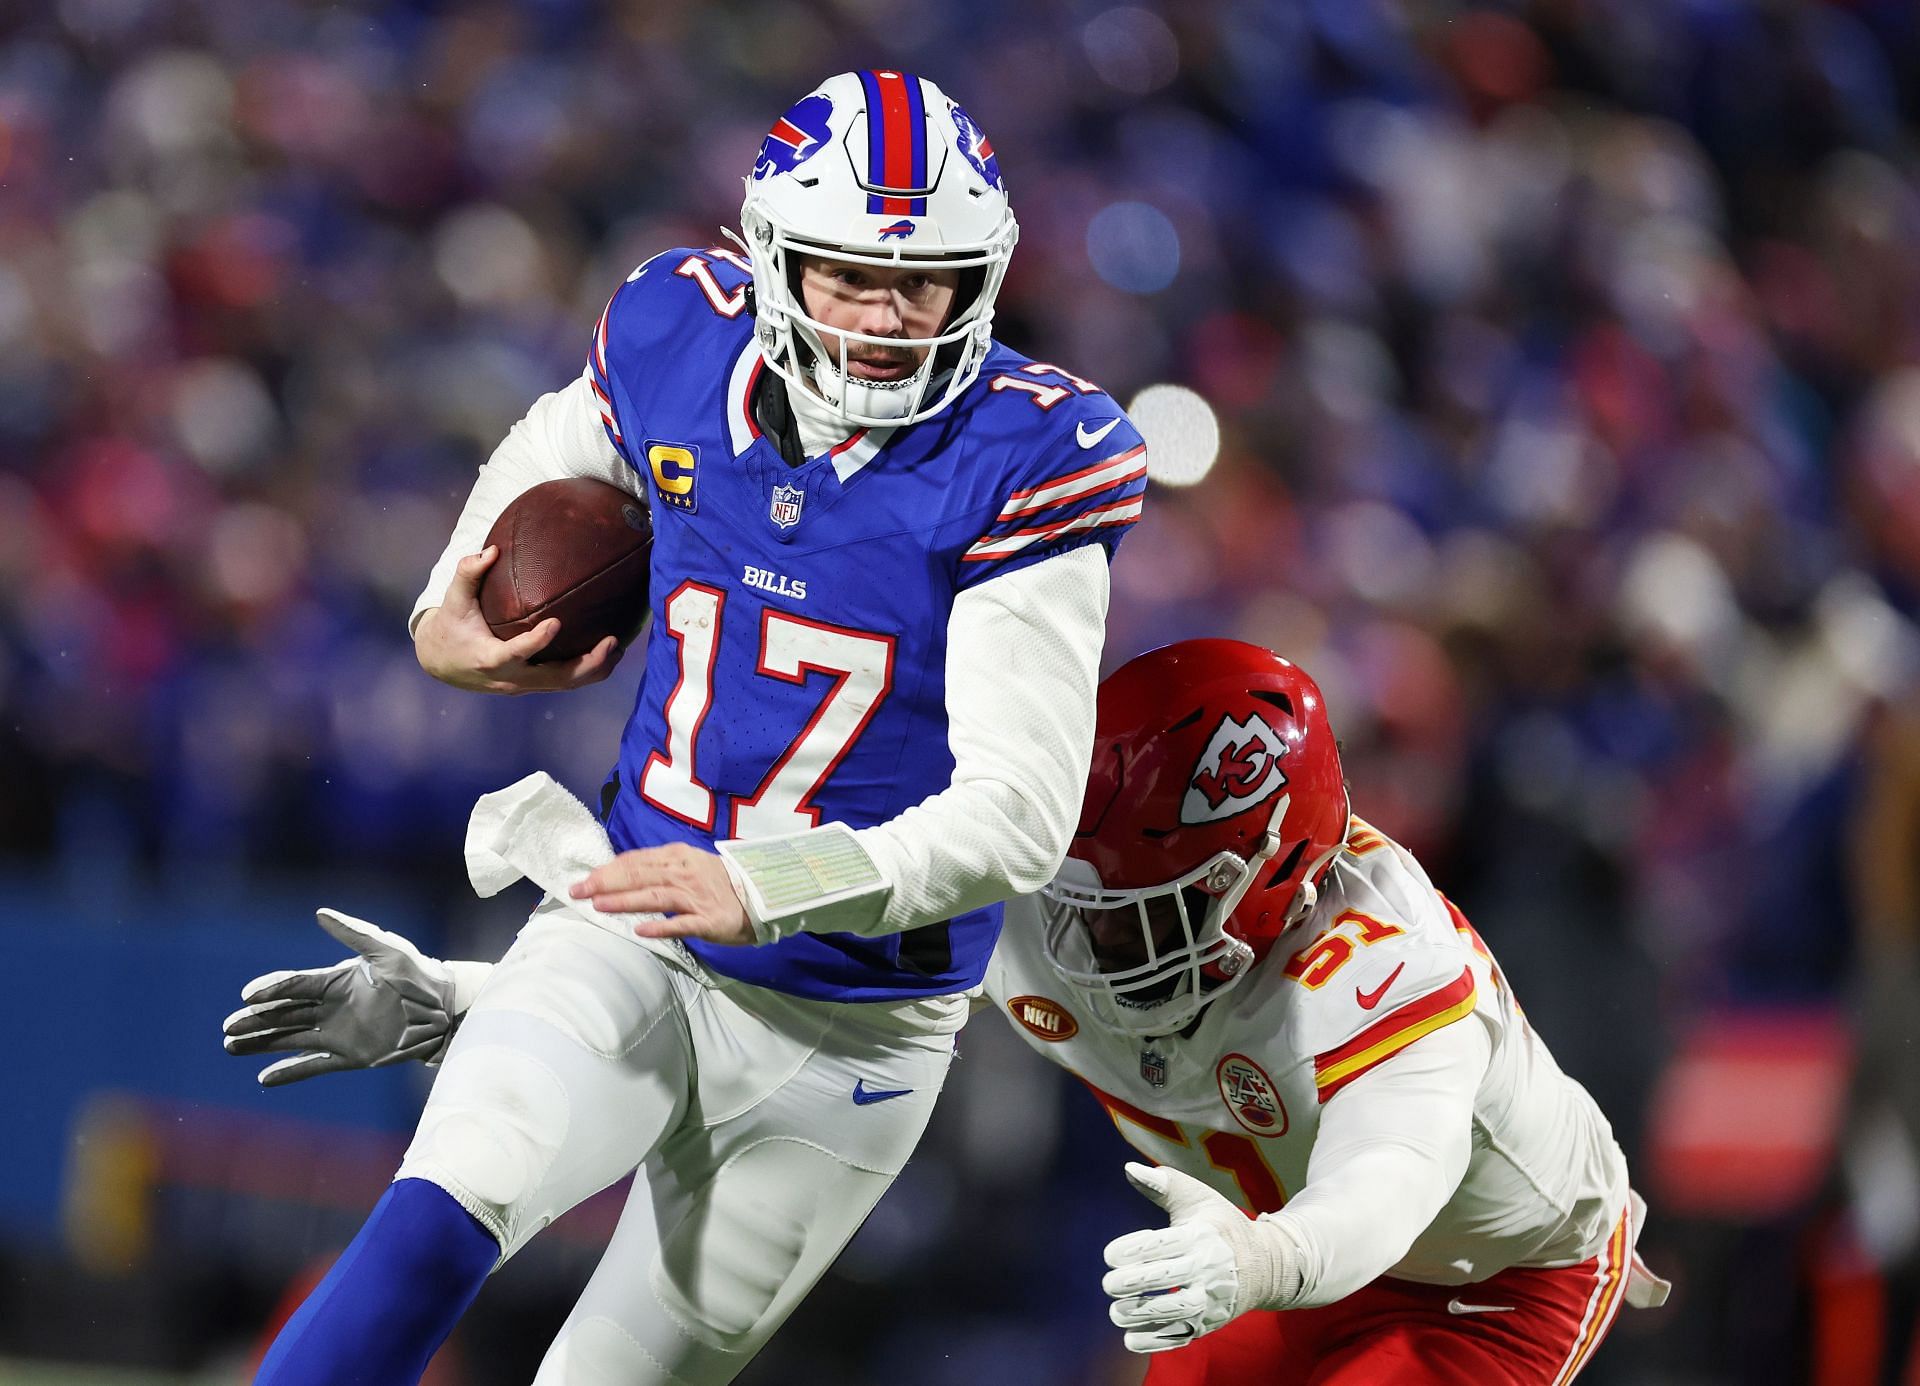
x: 785, y: 509
x: 1044, y: 1017
x: 1250, y: 1095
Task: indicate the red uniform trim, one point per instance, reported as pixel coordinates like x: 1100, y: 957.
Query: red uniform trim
x: 1018, y: 496
x: 1614, y: 1261
x: 1393, y: 1032
x: 841, y: 447
x: 990, y: 546
x: 746, y: 398
x: 896, y: 139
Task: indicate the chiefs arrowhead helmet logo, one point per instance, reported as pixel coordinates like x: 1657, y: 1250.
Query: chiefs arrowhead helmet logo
x: 1239, y: 769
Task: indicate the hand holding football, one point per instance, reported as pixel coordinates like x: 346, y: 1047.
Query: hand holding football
x: 577, y: 551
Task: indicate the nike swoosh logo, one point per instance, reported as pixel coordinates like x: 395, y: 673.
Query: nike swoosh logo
x: 1088, y: 438
x: 1369, y: 999
x: 1455, y: 1306
x: 863, y: 1095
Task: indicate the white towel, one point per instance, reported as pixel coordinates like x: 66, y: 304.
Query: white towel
x: 535, y: 829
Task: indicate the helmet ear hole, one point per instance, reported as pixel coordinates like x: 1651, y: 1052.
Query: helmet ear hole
x: 1287, y: 865
x: 1274, y: 697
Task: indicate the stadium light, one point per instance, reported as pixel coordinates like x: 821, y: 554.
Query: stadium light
x: 1182, y: 433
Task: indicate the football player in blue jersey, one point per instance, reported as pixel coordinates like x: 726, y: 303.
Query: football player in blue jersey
x: 881, y: 543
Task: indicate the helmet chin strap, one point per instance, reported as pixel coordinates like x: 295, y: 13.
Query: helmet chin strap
x: 1309, y: 894
x: 877, y: 399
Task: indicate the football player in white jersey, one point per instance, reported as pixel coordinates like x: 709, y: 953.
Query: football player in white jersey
x: 1373, y: 1168
x: 1279, y: 1010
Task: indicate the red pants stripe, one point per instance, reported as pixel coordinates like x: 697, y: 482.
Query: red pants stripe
x: 1522, y: 1327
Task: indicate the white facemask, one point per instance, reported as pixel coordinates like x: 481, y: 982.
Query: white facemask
x: 853, y: 397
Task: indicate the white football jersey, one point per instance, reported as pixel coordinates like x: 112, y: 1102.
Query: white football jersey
x: 1382, y: 960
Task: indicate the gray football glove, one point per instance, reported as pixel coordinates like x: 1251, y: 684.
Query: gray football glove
x: 390, y: 1004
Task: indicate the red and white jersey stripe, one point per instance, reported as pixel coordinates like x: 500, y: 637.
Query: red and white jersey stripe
x: 1130, y: 465
x: 1077, y: 498
x: 597, y: 377
x: 1118, y: 513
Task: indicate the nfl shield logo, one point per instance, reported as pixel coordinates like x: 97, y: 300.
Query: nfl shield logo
x: 785, y: 510
x: 1153, y: 1067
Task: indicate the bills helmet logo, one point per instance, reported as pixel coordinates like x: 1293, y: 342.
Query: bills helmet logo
x: 1250, y: 1095
x: 976, y: 148
x: 795, y: 137
x: 785, y: 510
x: 899, y: 231
x: 1239, y: 769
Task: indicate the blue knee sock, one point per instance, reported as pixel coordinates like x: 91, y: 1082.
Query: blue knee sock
x: 391, y: 1298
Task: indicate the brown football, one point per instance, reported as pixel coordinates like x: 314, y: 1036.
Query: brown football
x: 575, y: 549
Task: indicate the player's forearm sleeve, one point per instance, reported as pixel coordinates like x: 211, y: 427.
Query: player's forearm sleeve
x: 1023, y: 660
x: 560, y: 437
x: 1391, y: 1149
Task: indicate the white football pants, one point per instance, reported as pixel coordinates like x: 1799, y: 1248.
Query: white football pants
x: 761, y: 1124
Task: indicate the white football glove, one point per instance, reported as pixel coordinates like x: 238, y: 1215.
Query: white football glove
x: 389, y: 1004
x: 1211, y: 1264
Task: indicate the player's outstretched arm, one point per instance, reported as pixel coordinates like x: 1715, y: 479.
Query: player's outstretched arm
x: 1209, y: 1265
x: 386, y: 1005
x: 1391, y: 1148
x: 454, y: 643
x: 1023, y: 661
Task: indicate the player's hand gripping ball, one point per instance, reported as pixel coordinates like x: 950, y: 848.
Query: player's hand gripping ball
x: 576, y: 551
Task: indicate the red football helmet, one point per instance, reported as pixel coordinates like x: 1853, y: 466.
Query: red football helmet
x: 1214, y: 806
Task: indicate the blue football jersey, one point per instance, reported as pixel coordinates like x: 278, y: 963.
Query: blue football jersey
x: 796, y: 662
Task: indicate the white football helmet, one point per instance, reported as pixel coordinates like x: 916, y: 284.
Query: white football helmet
x: 877, y: 168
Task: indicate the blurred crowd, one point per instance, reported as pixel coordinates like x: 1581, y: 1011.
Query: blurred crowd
x: 1566, y: 358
